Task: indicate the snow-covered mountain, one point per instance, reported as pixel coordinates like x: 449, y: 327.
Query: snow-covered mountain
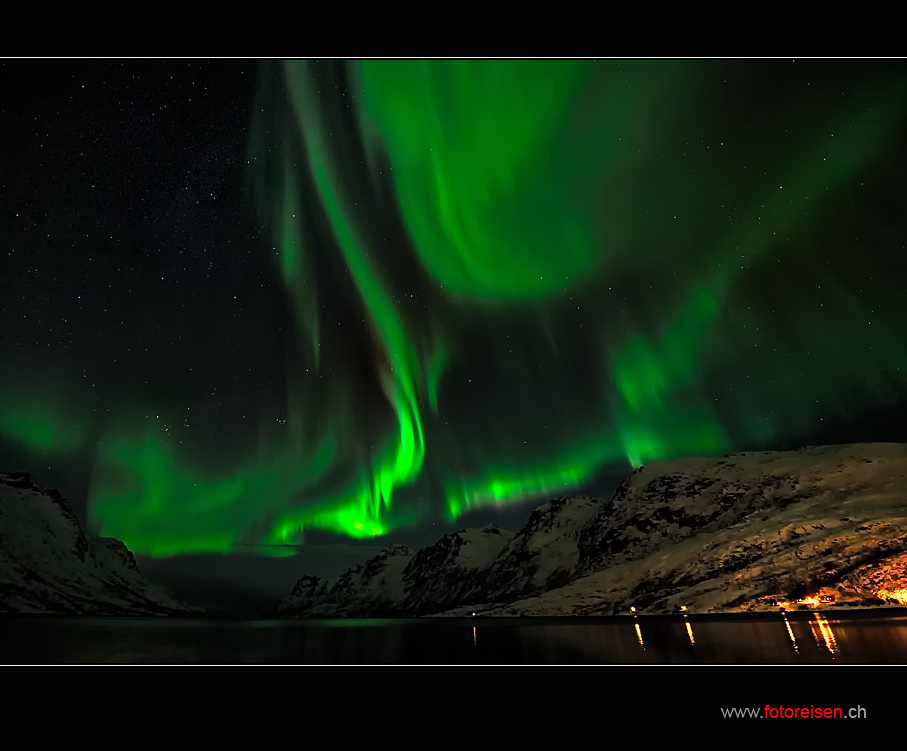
x: 371, y: 589
x: 397, y: 582
x: 544, y: 554
x: 452, y: 570
x: 713, y: 534
x: 49, y: 565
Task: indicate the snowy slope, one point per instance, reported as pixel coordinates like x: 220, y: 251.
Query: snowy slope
x: 545, y: 553
x: 396, y: 583
x: 740, y: 532
x: 48, y: 565
x: 370, y: 589
x: 452, y: 570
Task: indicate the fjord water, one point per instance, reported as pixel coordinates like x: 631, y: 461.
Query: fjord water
x: 869, y: 637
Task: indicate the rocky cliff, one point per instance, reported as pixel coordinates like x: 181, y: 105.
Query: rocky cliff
x: 49, y: 565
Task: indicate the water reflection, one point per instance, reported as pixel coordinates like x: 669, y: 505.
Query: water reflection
x: 772, y: 639
x: 689, y: 630
x: 825, y: 635
x: 790, y: 632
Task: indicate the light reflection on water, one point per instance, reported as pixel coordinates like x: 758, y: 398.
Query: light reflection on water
x: 825, y: 635
x: 772, y: 639
x: 776, y: 640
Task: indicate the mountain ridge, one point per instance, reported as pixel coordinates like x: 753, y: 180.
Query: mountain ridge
x: 713, y: 534
x: 49, y: 565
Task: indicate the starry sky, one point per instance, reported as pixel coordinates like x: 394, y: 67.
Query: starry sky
x: 255, y: 309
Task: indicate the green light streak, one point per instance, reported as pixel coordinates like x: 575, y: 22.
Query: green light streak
x: 502, y: 486
x: 585, y: 263
x: 474, y: 149
x: 395, y: 467
x: 648, y: 372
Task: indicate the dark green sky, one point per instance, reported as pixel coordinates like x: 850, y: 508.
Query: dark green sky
x: 247, y: 306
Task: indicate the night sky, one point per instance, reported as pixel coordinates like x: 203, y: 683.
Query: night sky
x: 252, y: 310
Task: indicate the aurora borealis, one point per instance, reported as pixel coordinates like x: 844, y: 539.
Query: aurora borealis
x: 451, y: 285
